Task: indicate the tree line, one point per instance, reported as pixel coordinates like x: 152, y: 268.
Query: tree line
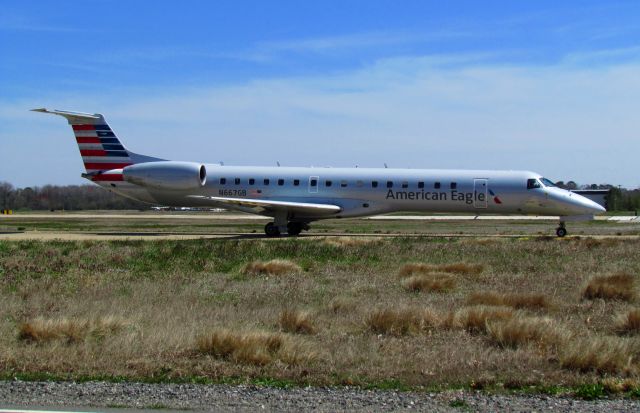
x: 624, y: 200
x: 92, y: 197
x: 68, y: 197
x: 619, y: 199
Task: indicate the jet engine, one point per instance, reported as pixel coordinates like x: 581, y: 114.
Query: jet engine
x: 168, y: 175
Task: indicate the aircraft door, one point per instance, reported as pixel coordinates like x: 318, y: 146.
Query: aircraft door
x: 314, y: 181
x: 480, y: 188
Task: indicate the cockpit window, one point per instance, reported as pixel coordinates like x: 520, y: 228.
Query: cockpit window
x: 533, y: 183
x: 547, y: 182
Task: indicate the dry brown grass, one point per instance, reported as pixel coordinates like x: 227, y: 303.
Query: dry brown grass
x: 273, y: 267
x: 629, y: 322
x: 436, y: 282
x: 41, y: 330
x: 257, y: 348
x: 602, y: 242
x: 295, y: 321
x: 408, y: 270
x: 173, y: 292
x: 515, y: 300
x: 481, y: 241
x: 349, y: 241
x: 522, y: 330
x: 600, y: 354
x: 403, y: 321
x: 474, y: 319
x: 342, y: 305
x: 611, y: 287
x: 616, y: 385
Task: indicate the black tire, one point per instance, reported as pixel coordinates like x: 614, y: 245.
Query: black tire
x: 561, y: 232
x: 271, y: 230
x: 294, y: 228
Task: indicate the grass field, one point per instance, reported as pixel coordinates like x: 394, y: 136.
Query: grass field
x: 394, y: 312
x: 207, y: 223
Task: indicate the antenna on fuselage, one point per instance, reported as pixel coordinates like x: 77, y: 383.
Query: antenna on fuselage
x: 221, y: 163
x: 385, y: 165
x: 278, y: 163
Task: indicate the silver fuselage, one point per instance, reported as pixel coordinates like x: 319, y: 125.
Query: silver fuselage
x: 369, y: 191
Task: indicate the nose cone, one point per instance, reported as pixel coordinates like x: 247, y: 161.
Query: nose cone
x: 567, y: 203
x: 585, y: 205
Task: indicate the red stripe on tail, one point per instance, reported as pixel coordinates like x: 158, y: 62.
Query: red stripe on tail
x: 88, y: 140
x: 93, y: 152
x: 83, y: 127
x: 107, y: 177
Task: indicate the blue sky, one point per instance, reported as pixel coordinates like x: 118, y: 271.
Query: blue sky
x: 547, y: 86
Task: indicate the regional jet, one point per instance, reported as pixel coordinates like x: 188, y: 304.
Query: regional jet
x: 296, y: 196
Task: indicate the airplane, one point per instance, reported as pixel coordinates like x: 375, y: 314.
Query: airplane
x: 296, y: 196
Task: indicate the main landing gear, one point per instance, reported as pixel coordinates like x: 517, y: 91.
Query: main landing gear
x: 292, y: 228
x: 271, y: 230
x: 561, y: 231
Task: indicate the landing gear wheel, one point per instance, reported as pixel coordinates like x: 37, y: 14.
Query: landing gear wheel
x: 561, y: 231
x: 271, y: 230
x: 294, y: 228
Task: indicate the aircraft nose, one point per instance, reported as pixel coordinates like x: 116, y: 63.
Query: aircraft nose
x: 599, y: 208
x: 586, y: 205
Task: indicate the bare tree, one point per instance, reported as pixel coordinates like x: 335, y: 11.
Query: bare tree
x: 72, y: 197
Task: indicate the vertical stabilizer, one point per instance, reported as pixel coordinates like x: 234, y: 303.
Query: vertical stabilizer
x: 100, y: 148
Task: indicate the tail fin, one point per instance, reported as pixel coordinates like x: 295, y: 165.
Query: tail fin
x: 100, y: 148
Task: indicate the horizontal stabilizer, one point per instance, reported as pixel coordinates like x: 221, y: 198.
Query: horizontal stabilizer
x: 72, y: 117
x: 261, y: 205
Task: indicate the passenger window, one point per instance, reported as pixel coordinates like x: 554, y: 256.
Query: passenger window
x: 237, y: 181
x: 533, y: 183
x: 252, y: 181
x: 223, y: 181
x: 405, y: 184
x: 389, y: 184
x: 343, y: 184
x: 314, y: 182
x: 454, y: 185
x: 328, y: 183
x: 296, y: 182
x: 266, y: 182
x: 436, y: 185
x: 374, y: 184
x: 280, y: 182
x: 420, y: 184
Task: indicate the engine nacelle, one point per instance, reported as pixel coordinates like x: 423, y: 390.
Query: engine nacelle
x: 169, y: 175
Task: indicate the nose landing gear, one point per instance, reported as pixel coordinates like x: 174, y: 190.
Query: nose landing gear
x: 561, y: 231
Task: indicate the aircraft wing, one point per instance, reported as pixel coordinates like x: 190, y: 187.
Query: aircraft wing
x: 264, y: 205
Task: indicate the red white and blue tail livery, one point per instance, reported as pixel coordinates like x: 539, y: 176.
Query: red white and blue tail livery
x: 102, y: 153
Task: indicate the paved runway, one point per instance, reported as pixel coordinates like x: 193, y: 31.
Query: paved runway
x: 74, y: 235
x: 53, y: 216
x: 218, y: 216
x: 154, y: 236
